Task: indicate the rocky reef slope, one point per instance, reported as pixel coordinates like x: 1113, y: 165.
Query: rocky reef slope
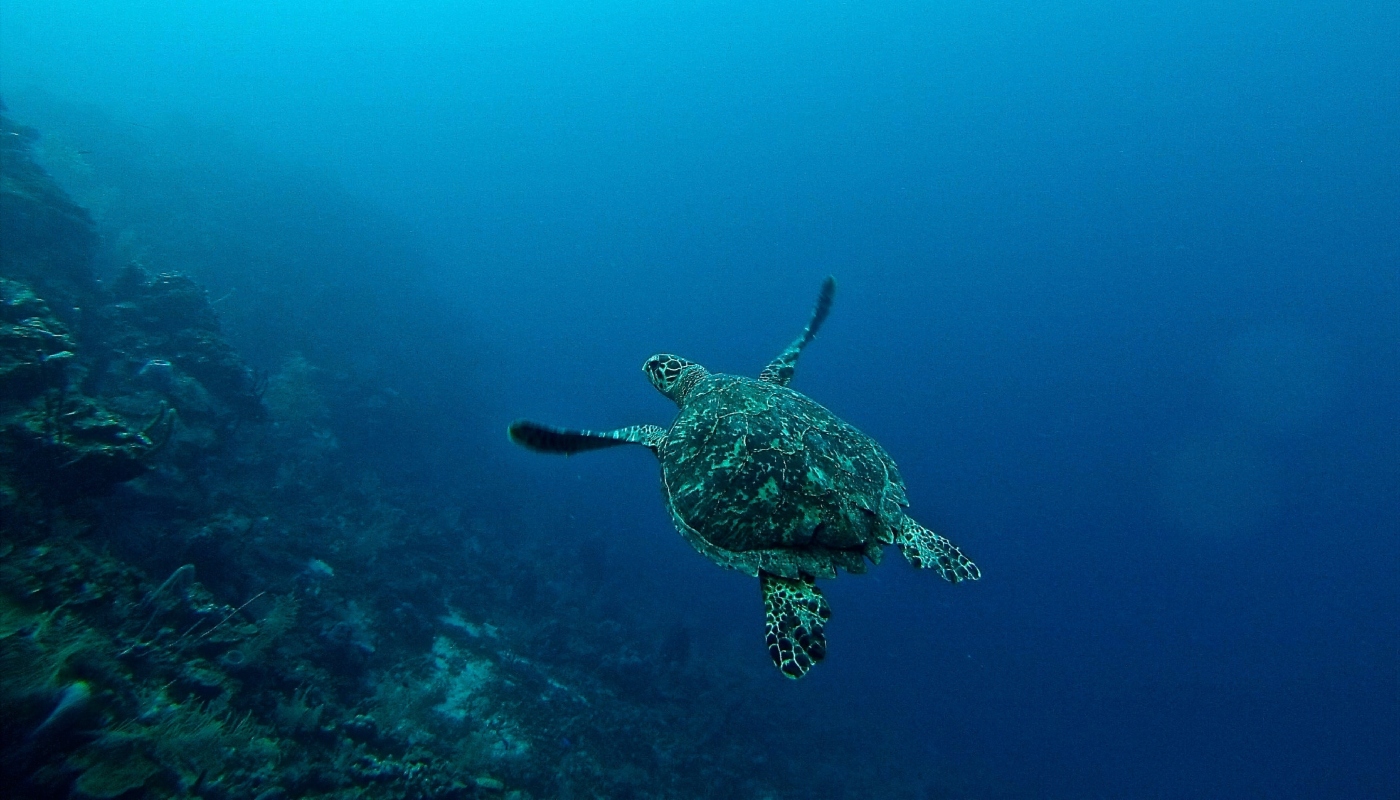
x: 200, y: 597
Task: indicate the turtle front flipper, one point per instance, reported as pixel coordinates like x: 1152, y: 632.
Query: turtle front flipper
x: 781, y: 369
x: 546, y: 439
x: 927, y: 550
x: 796, y: 616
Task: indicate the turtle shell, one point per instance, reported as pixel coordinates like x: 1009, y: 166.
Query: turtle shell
x: 758, y: 476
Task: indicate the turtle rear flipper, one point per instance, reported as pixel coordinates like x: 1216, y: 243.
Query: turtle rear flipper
x: 546, y: 439
x: 927, y: 550
x: 781, y: 369
x: 796, y: 616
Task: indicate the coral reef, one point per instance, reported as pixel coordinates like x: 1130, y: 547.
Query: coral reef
x: 201, y: 596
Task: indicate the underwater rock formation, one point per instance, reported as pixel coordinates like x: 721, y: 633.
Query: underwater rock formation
x: 55, y: 440
x: 49, y: 240
x: 95, y: 381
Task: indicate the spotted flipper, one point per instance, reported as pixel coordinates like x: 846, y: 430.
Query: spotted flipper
x: 797, y: 613
x: 927, y: 550
x: 545, y: 439
x: 781, y: 369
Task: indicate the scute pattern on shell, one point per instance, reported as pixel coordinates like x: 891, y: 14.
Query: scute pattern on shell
x: 760, y: 477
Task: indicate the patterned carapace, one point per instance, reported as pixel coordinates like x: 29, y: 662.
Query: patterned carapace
x: 760, y: 478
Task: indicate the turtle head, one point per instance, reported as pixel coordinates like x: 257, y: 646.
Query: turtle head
x: 673, y: 376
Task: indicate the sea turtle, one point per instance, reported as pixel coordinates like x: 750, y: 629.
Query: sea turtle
x: 760, y: 478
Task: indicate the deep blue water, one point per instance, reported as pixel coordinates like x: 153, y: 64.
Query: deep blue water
x: 1119, y: 290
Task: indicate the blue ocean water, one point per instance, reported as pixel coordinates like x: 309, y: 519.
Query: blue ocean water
x: 1119, y: 289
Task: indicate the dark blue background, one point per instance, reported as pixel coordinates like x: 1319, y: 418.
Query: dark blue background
x: 1119, y: 291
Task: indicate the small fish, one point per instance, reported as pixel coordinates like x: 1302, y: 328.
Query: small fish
x: 75, y: 697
